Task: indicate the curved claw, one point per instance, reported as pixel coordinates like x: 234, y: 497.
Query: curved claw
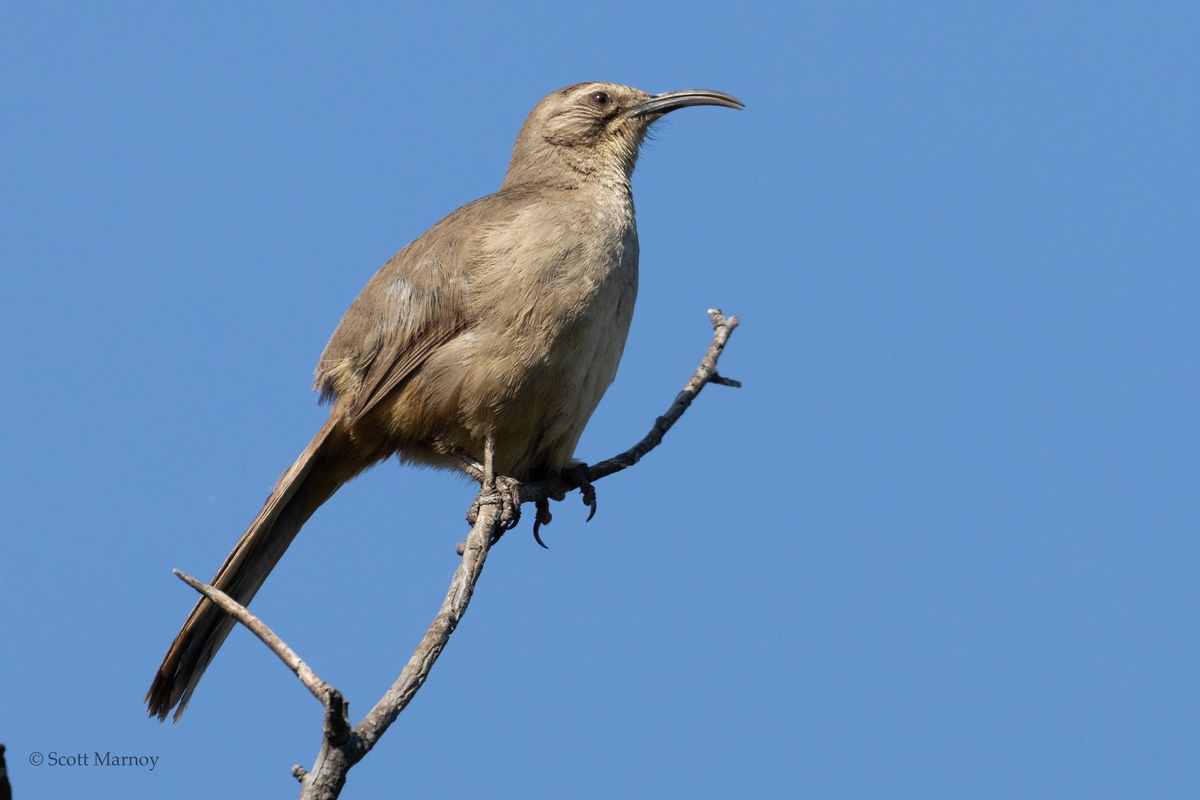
x: 543, y: 517
x: 589, y: 500
x: 579, y: 474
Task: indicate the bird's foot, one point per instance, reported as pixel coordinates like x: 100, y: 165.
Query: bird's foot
x: 510, y: 502
x: 493, y: 489
x: 507, y: 493
x: 577, y: 472
x: 504, y: 491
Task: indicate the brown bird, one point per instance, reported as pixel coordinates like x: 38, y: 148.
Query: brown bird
x: 498, y: 329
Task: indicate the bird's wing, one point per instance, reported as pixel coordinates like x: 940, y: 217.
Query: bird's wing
x: 396, y: 361
x: 413, y: 305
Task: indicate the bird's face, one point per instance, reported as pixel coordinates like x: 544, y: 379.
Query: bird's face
x: 597, y: 128
x: 587, y: 126
x: 589, y: 114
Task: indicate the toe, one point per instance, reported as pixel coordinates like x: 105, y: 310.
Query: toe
x: 543, y: 517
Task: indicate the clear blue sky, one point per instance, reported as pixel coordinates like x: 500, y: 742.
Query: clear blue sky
x: 942, y: 544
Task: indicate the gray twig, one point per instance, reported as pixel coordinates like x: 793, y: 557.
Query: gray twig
x: 705, y: 374
x: 328, y: 774
x: 337, y: 724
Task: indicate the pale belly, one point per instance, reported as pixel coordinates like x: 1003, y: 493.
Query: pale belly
x: 544, y: 348
x: 532, y: 382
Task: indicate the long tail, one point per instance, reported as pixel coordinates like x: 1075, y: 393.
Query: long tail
x: 329, y: 461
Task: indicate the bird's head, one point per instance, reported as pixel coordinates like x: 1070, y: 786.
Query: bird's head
x: 593, y: 131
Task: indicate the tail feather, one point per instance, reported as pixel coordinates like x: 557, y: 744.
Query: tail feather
x: 328, y: 462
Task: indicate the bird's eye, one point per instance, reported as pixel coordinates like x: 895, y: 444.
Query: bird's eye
x: 599, y: 98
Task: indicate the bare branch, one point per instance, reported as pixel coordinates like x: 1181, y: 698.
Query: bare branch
x: 328, y: 774
x: 462, y: 586
x: 319, y: 688
x: 343, y: 747
x: 705, y: 374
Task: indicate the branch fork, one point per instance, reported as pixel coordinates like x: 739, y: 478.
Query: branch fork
x: 344, y: 746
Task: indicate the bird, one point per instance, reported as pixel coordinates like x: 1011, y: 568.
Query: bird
x: 489, y: 339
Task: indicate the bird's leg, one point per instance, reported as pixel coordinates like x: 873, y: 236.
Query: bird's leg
x: 492, y: 487
x: 468, y: 464
x: 479, y: 473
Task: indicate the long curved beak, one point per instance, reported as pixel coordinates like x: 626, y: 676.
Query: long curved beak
x: 682, y: 98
